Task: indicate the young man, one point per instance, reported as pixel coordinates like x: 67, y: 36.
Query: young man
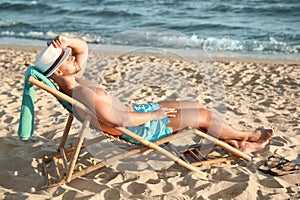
x: 151, y: 121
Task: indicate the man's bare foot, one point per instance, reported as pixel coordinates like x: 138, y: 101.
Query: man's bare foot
x: 261, y: 135
x: 250, y: 147
x: 247, y: 147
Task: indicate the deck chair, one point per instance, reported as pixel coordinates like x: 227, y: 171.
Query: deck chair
x: 63, y: 163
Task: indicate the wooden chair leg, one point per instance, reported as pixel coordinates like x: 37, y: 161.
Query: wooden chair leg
x: 73, y: 160
x: 66, y: 132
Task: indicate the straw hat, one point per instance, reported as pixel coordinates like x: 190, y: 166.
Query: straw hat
x: 50, y: 59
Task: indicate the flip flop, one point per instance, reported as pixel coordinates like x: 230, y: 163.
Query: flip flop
x: 272, y: 162
x: 286, y: 168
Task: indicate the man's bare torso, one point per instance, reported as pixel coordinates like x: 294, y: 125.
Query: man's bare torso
x: 79, y: 93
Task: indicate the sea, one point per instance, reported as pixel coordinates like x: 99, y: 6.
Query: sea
x: 248, y: 27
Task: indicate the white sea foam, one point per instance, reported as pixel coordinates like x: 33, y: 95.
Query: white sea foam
x: 168, y: 41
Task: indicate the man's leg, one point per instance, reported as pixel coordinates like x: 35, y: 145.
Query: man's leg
x: 246, y: 141
x: 181, y: 104
x: 205, y: 119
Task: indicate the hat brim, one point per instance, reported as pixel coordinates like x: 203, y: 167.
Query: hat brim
x: 67, y: 53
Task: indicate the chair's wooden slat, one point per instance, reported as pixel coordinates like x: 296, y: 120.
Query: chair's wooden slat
x: 64, y: 158
x: 194, y: 155
x: 214, y: 161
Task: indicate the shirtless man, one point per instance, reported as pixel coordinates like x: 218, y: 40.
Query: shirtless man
x: 150, y: 121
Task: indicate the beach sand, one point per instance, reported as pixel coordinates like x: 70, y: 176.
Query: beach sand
x: 247, y: 93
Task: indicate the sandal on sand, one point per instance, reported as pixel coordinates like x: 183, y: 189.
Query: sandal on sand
x: 272, y: 162
x: 286, y: 168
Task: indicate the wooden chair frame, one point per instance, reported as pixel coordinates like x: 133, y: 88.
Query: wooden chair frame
x: 66, y: 171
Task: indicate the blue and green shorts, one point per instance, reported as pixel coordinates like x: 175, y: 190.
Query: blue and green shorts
x: 152, y: 130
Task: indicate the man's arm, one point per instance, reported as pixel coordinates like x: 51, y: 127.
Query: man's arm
x: 78, y: 46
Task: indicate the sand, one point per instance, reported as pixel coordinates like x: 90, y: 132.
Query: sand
x: 247, y: 93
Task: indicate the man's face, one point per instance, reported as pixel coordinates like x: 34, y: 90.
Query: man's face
x: 70, y: 66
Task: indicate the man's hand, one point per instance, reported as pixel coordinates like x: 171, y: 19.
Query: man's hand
x: 59, y: 42
x: 162, y: 113
x: 78, y: 46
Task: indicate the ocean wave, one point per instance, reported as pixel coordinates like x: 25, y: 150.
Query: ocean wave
x: 268, y: 8
x: 30, y: 35
x: 23, y: 6
x: 170, y: 40
x: 13, y: 25
x: 107, y: 13
x: 6, y: 23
